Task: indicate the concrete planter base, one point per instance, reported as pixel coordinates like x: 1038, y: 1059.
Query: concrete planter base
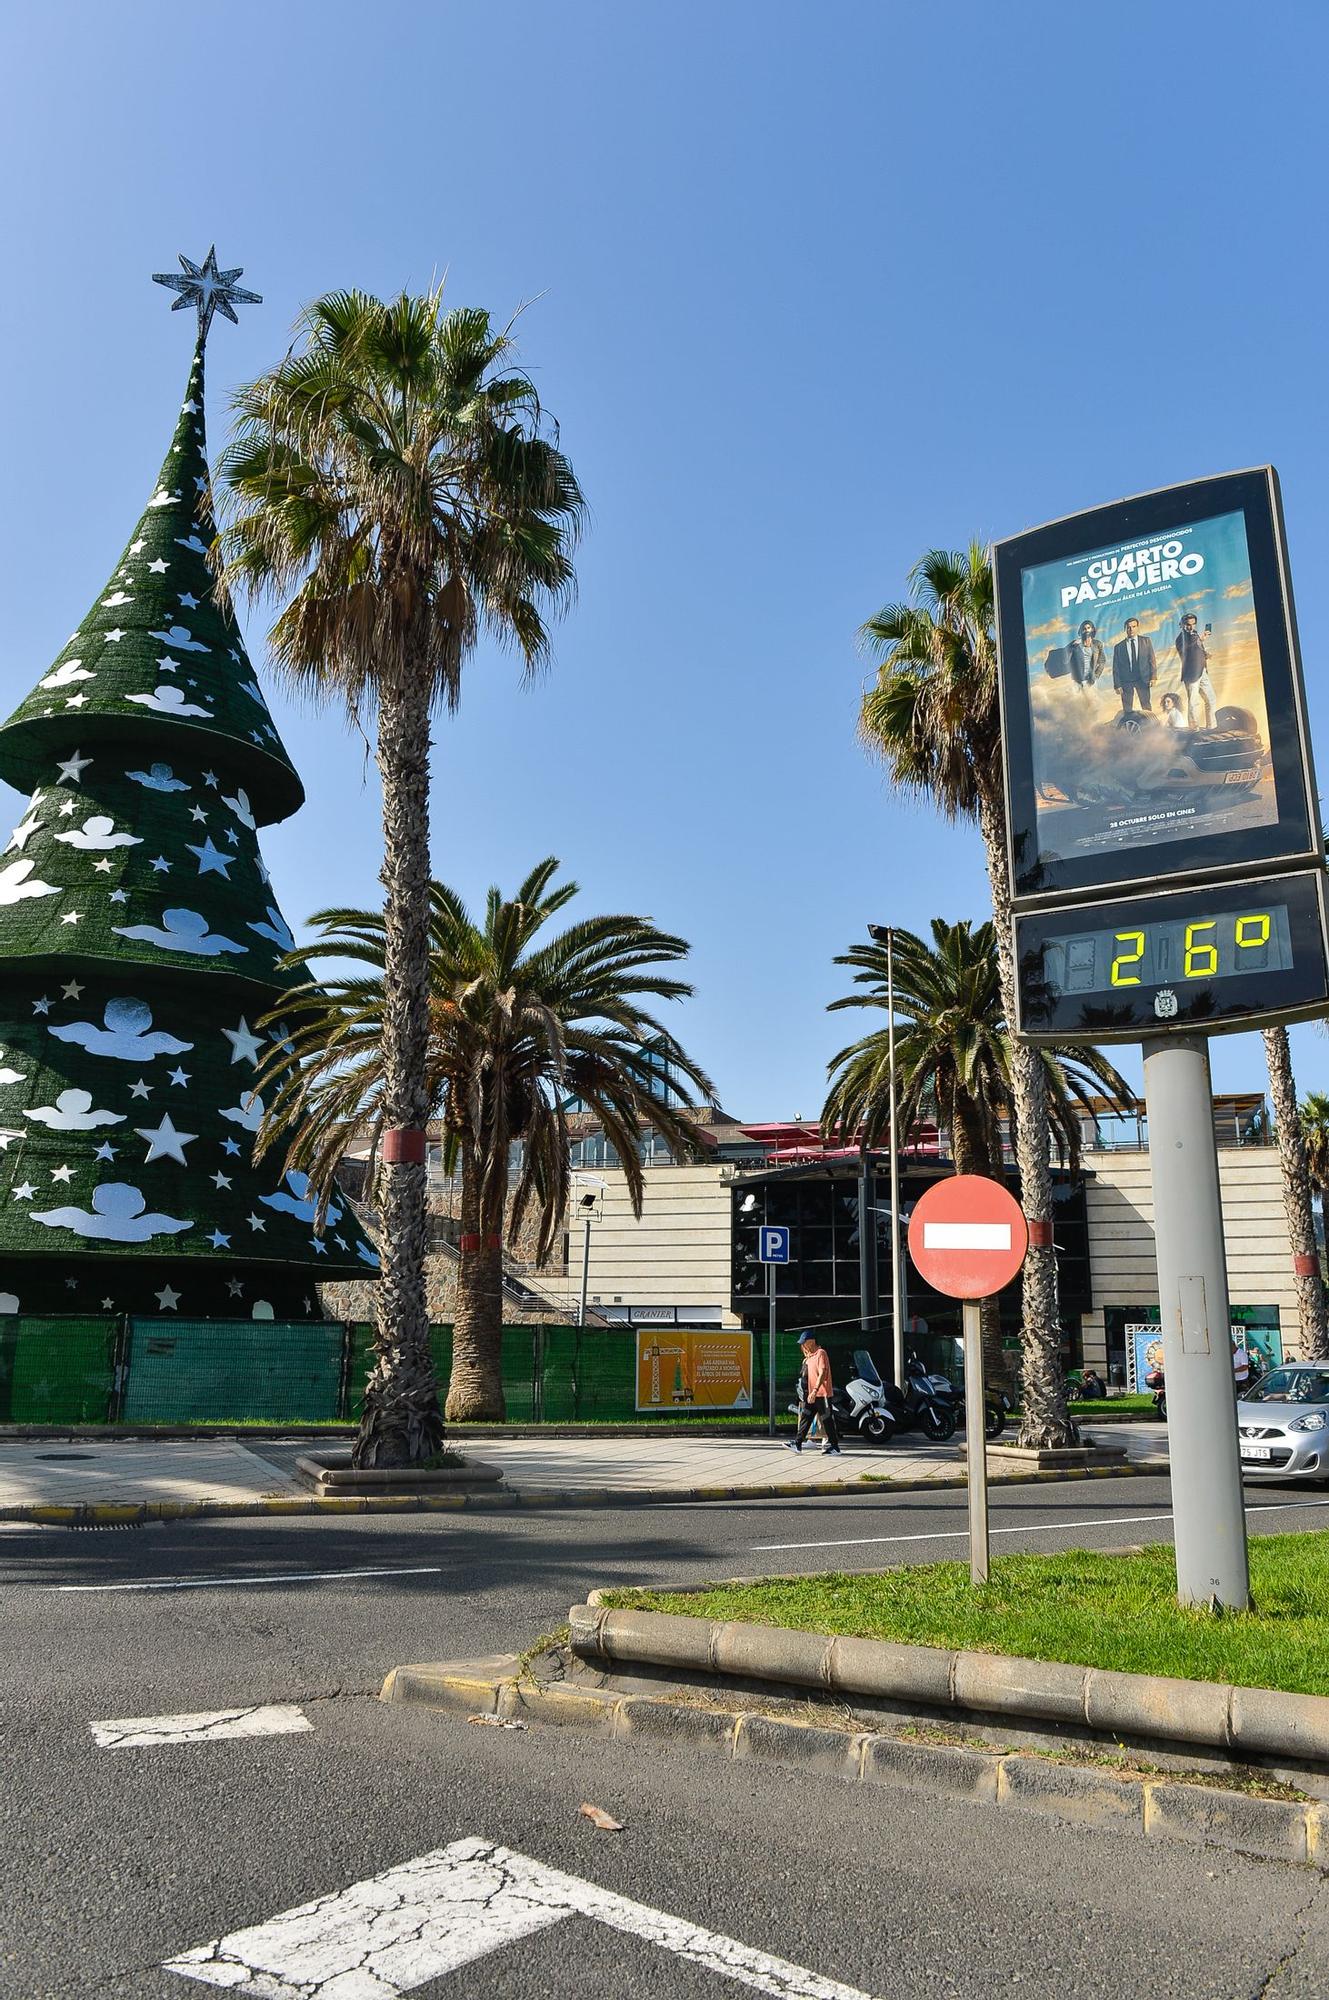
x: 331, y: 1472
x: 1020, y: 1458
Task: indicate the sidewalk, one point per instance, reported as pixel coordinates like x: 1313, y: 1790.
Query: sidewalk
x: 180, y: 1477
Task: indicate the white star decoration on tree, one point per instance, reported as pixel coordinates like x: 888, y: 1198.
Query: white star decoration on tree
x: 207, y: 289
x: 164, y: 1142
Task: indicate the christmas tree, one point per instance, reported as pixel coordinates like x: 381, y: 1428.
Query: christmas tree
x: 140, y: 941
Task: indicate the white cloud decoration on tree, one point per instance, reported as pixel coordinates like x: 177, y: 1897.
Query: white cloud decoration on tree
x: 181, y: 930
x: 119, y: 1214
x: 128, y: 1034
x: 248, y: 1113
x: 98, y: 834
x: 181, y: 636
x: 242, y: 809
x: 302, y: 1202
x: 73, y: 1112
x: 67, y: 674
x: 168, y: 700
x: 275, y: 928
x: 15, y: 886
x: 160, y: 778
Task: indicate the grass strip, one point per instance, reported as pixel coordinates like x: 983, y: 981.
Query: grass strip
x: 1079, y: 1606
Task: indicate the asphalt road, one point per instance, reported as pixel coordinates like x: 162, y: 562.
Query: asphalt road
x: 113, y: 1861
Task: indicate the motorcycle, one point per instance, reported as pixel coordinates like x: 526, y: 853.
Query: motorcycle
x: 996, y: 1409
x: 923, y: 1405
x: 1157, y: 1381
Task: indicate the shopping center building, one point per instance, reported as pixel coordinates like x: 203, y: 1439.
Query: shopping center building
x: 690, y: 1259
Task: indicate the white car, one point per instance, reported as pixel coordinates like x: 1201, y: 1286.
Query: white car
x: 1283, y: 1423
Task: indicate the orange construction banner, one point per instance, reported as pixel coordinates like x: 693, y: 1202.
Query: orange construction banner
x: 681, y: 1368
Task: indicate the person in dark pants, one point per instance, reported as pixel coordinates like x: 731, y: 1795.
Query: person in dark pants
x: 1133, y: 667
x: 820, y: 1389
x: 1195, y: 682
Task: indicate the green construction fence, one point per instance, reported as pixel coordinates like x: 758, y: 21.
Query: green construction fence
x: 146, y: 1371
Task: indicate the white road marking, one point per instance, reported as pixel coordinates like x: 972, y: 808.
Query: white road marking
x: 381, y: 1938
x: 234, y: 1582
x: 966, y: 1235
x: 138, y: 1732
x: 1034, y: 1528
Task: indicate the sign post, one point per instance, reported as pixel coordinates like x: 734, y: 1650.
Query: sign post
x: 772, y: 1249
x: 1208, y: 1509
x: 1167, y: 875
x: 968, y: 1238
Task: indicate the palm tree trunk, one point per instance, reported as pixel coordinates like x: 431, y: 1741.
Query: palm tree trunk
x: 1297, y: 1203
x: 1046, y: 1422
x: 475, y: 1393
x: 402, y: 1423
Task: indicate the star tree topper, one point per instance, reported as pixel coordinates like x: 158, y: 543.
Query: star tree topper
x: 207, y: 289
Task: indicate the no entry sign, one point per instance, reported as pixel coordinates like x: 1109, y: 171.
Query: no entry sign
x: 968, y: 1237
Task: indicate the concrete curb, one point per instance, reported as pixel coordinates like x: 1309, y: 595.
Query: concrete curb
x: 1242, y: 1722
x: 94, y: 1513
x: 1078, y: 1794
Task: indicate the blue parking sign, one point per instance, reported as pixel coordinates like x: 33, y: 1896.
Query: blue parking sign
x: 773, y: 1243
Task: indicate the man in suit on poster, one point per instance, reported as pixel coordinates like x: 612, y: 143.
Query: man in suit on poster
x: 1133, y: 667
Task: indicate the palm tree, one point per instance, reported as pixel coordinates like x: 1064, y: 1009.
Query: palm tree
x: 1314, y: 1119
x: 933, y: 715
x: 955, y: 1059
x: 392, y: 481
x: 519, y: 1030
x: 1298, y: 1204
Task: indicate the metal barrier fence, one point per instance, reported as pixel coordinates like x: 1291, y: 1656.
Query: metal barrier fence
x: 123, y: 1370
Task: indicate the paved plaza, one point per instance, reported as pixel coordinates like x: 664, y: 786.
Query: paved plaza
x: 62, y: 1472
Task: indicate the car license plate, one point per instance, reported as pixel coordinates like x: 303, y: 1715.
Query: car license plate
x: 1245, y: 777
x: 1257, y: 1451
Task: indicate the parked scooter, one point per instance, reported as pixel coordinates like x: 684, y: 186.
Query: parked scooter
x: 996, y: 1409
x: 1157, y: 1381
x: 922, y: 1405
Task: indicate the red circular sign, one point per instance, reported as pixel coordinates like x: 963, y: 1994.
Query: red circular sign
x: 968, y: 1237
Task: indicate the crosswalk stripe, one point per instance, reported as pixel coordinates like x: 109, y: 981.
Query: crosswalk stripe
x: 138, y: 1732
x: 428, y: 1917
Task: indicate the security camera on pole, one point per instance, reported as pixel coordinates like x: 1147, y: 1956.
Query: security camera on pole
x: 590, y: 1197
x: 1167, y: 877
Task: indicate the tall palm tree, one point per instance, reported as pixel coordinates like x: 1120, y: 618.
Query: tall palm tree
x: 933, y: 716
x: 955, y: 1059
x: 1314, y: 1119
x: 394, y: 484
x: 520, y: 1028
x: 1298, y: 1205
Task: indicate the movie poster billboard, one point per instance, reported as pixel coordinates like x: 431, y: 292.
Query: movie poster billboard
x: 1151, y: 697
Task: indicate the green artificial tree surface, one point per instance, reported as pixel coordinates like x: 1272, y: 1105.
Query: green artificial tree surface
x: 140, y: 941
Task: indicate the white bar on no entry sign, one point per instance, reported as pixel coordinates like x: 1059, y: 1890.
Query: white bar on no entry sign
x: 966, y: 1235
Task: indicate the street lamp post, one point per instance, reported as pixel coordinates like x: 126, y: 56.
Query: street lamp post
x: 885, y: 934
x: 586, y: 1203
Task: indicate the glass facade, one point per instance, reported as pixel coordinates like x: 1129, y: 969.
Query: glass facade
x: 820, y: 1284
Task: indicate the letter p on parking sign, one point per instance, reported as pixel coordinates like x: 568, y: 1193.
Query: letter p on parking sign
x: 773, y: 1244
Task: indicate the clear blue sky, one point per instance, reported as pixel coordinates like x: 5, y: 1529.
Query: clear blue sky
x: 819, y: 286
